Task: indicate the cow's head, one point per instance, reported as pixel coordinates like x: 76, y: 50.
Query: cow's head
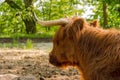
x: 65, y: 40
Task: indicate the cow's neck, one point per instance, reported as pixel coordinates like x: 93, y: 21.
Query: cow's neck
x: 90, y: 44
x: 93, y: 44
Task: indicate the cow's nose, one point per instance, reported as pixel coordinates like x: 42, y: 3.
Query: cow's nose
x: 52, y: 58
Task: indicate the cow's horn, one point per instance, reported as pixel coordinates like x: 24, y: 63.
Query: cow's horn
x: 51, y: 22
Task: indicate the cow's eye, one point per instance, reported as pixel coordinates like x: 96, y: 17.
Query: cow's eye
x: 57, y: 43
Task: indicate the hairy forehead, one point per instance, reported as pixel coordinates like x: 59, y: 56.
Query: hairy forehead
x: 58, y: 34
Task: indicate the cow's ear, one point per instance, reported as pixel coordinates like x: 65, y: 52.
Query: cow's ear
x: 76, y: 28
x: 94, y: 23
x: 78, y: 24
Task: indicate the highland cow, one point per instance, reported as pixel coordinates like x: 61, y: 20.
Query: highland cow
x: 94, y: 51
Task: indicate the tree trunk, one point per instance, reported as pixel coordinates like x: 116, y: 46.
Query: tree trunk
x: 49, y: 14
x: 30, y: 26
x: 29, y: 23
x: 105, y: 23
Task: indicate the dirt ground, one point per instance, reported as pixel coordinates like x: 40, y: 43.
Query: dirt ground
x: 34, y: 62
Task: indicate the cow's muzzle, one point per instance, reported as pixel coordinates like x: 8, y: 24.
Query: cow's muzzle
x: 53, y: 60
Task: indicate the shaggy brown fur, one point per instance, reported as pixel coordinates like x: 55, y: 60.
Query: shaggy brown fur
x: 96, y: 52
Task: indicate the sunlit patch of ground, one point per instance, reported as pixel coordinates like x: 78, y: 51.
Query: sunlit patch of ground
x: 34, y: 62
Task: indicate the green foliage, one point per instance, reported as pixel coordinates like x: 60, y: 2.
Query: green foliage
x: 10, y: 21
x: 113, y: 12
x: 55, y: 9
x: 12, y: 17
x: 42, y: 33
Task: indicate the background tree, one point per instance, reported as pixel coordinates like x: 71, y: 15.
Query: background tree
x: 107, y: 11
x: 55, y: 9
x: 24, y: 11
x: 16, y: 15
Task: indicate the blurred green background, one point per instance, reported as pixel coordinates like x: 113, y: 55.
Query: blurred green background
x: 16, y: 19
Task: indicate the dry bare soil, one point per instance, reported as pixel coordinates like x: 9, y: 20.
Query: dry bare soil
x: 34, y: 62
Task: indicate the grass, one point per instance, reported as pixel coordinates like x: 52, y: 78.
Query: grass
x: 12, y: 45
x: 41, y: 33
x: 16, y: 44
x: 29, y: 44
x: 21, y: 35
